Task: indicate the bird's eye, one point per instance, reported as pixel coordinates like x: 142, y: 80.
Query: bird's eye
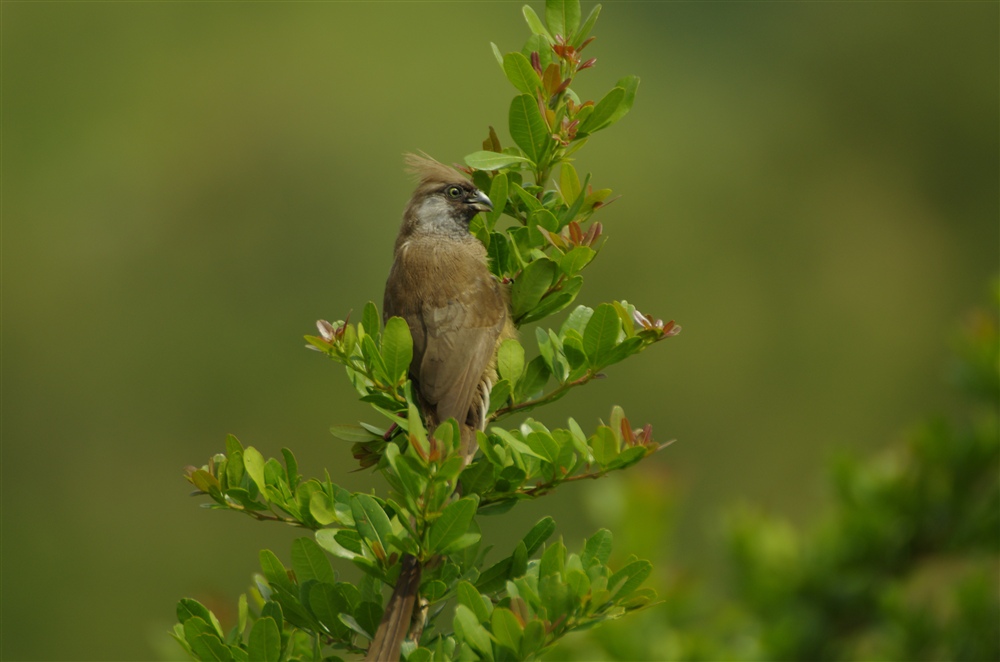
x: 454, y: 192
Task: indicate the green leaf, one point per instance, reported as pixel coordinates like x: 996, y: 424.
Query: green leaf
x: 274, y: 571
x: 578, y: 582
x: 453, y: 522
x: 542, y: 218
x: 291, y: 467
x: 604, y: 445
x: 495, y: 577
x: 265, y: 641
x: 310, y: 562
x: 544, y: 446
x: 195, y: 626
x: 373, y: 524
x: 497, y: 54
x: 577, y: 320
x: 535, y: 23
x: 625, y: 349
x: 373, y: 358
x: 422, y: 655
x: 410, y: 473
x: 210, y: 647
x: 542, y: 45
x: 506, y: 628
x: 353, y: 624
x: 601, y: 335
x: 327, y: 602
x: 499, y: 254
x: 633, y: 574
x: 397, y: 349
x: 468, y: 628
x: 536, y: 374
x: 555, y: 595
x: 562, y: 17
x: 351, y: 433
x: 498, y: 196
x: 515, y: 443
x: 576, y: 259
x: 478, y: 477
x: 334, y: 541
x: 470, y: 597
x: 253, y: 461
x: 530, y: 202
x: 190, y: 608
x: 630, y: 84
x: 243, y: 613
x: 553, y: 559
x: 520, y: 73
x: 627, y: 458
x: 528, y: 288
x: 233, y: 445
x: 603, y: 111
x: 597, y: 551
x: 274, y: 610
x: 534, y: 638
x: 588, y: 25
x: 368, y: 615
x: 571, y: 212
x: 464, y: 541
x: 434, y: 590
x: 527, y: 127
x: 518, y: 561
x: 321, y: 507
x: 370, y: 319
x: 538, y: 534
x: 556, y: 300
x: 485, y: 160
x: 499, y: 395
x: 510, y: 360
x: 573, y: 349
x: 415, y: 426
x: 569, y: 183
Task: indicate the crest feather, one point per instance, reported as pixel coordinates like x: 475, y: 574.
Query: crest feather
x: 429, y: 171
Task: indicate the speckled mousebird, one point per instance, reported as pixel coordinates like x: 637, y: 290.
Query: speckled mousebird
x: 457, y: 311
x: 458, y: 314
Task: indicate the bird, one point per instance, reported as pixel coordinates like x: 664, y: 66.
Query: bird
x: 458, y: 314
x: 457, y: 310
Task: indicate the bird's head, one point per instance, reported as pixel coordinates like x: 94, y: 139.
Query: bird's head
x: 444, y: 202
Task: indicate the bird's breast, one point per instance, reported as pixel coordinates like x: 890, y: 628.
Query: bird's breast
x: 437, y: 271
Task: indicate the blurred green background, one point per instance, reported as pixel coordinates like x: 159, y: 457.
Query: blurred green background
x: 810, y: 189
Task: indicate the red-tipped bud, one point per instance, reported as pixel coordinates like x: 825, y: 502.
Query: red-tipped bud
x: 536, y: 62
x: 574, y: 233
x: 587, y: 65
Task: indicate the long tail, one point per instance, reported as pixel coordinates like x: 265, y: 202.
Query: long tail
x: 398, y: 614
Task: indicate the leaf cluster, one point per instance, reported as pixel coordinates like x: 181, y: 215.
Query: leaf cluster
x: 514, y: 610
x: 553, y: 236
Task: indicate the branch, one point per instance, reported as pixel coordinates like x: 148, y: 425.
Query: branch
x: 552, y: 396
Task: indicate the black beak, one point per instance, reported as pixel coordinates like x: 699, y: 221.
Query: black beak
x: 479, y: 201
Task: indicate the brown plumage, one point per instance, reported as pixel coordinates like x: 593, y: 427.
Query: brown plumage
x: 458, y: 315
x: 441, y: 285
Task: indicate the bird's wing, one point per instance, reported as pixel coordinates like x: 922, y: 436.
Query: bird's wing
x: 460, y: 336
